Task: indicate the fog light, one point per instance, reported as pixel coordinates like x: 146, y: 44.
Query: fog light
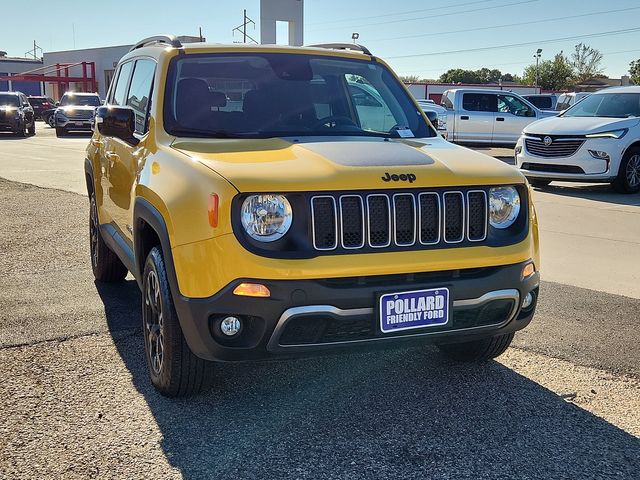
x: 518, y: 150
x: 528, y: 300
x: 230, y: 326
x: 599, y: 154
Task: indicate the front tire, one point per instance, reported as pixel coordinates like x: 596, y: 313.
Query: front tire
x: 175, y: 371
x: 21, y: 131
x: 477, y: 350
x: 60, y: 132
x: 628, y: 179
x: 32, y: 128
x: 106, y: 265
x: 51, y: 121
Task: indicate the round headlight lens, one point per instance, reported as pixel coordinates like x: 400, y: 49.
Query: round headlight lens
x: 267, y: 217
x: 504, y: 206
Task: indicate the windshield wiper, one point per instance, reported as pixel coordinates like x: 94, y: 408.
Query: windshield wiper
x: 191, y: 132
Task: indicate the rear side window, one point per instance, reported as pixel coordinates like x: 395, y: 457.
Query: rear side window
x: 541, y: 102
x: 118, y: 96
x: 480, y: 102
x: 140, y: 92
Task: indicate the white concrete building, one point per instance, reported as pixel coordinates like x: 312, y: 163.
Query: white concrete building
x: 105, y: 60
x: 290, y: 12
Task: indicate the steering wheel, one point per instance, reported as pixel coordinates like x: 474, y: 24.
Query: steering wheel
x: 333, y: 121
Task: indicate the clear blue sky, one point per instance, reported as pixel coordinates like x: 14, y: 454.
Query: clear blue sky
x: 412, y: 35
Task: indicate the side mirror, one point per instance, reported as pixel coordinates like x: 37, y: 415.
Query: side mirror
x: 57, y: 104
x: 433, y: 117
x: 118, y: 122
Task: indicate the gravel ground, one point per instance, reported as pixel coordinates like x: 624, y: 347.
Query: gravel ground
x: 83, y: 408
x: 75, y: 401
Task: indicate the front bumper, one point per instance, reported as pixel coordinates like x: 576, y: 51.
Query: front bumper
x: 581, y: 166
x: 10, y: 123
x: 304, y: 316
x: 83, y: 124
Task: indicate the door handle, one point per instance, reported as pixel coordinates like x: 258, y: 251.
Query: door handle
x: 464, y: 117
x: 499, y: 119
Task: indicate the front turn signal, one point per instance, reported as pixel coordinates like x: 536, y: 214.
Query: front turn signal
x: 252, y: 290
x: 528, y: 270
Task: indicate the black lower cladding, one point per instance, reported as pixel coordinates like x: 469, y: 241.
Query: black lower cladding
x: 199, y: 317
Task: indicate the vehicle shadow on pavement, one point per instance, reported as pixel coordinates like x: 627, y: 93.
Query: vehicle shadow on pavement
x: 11, y: 136
x: 404, y: 413
x: 600, y: 193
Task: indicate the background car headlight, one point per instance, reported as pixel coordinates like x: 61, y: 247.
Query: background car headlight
x: 504, y: 206
x: 266, y: 217
x: 612, y: 134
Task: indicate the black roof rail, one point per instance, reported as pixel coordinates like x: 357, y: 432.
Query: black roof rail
x: 163, y: 39
x: 343, y: 46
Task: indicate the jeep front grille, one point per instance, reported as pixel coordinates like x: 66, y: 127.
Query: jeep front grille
x: 558, y: 148
x: 390, y: 220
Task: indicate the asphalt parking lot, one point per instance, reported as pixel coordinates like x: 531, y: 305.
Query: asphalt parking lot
x: 75, y: 401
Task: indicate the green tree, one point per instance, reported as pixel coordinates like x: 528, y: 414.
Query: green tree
x: 409, y: 78
x: 483, y: 75
x: 634, y: 71
x: 556, y: 74
x: 586, y: 62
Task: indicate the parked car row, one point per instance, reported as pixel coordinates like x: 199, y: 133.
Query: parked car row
x: 74, y: 112
x: 585, y: 137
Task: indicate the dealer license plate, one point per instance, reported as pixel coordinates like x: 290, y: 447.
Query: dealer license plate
x: 416, y: 309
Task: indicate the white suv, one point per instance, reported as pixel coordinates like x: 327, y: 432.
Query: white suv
x: 596, y: 140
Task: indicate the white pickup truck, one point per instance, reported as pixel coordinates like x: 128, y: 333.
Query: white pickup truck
x: 486, y: 116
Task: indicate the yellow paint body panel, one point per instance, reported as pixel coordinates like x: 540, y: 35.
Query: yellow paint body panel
x: 177, y: 176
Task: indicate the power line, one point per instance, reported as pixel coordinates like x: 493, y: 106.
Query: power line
x: 398, y: 13
x: 523, y: 44
x: 519, y: 24
x: 429, y: 17
x: 501, y: 65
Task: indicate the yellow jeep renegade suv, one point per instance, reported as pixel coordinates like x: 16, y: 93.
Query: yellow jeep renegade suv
x: 273, y: 201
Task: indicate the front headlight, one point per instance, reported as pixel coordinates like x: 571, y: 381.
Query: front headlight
x: 504, y: 206
x: 612, y: 134
x: 266, y: 217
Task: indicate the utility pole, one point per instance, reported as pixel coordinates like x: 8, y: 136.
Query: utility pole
x: 537, y: 56
x: 34, y: 52
x: 243, y: 29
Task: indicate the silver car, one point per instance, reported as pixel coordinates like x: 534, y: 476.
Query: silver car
x: 487, y: 116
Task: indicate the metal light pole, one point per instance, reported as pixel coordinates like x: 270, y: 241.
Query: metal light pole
x: 537, y: 56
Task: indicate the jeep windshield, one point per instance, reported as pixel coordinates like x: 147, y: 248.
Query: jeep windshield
x: 254, y: 95
x: 615, y: 105
x: 79, y: 100
x: 9, y: 100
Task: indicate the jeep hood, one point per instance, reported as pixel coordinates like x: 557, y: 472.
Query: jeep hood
x: 344, y: 163
x: 578, y: 125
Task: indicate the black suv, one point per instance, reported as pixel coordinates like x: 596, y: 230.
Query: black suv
x: 41, y: 104
x: 16, y: 114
